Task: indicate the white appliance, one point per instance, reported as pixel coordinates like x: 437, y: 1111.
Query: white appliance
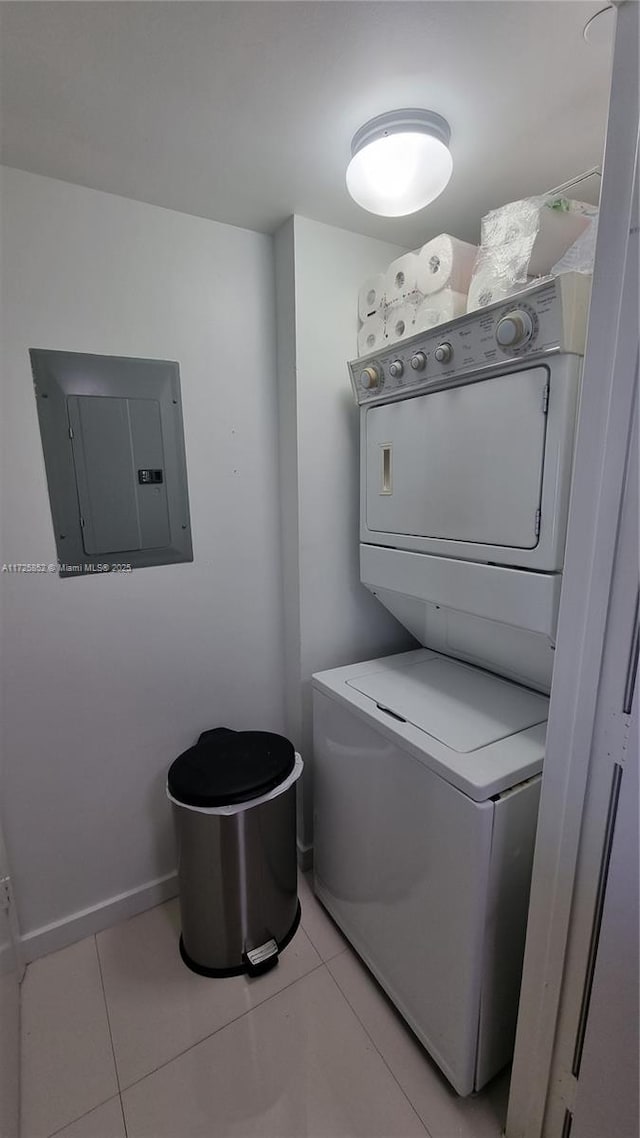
x: 427, y: 765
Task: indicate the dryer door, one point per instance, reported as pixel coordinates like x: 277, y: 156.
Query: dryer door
x: 461, y: 465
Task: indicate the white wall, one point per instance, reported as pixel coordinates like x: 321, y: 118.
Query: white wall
x: 288, y: 478
x: 330, y: 618
x: 108, y: 679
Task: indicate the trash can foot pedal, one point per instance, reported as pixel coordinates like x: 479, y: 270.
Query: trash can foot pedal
x: 245, y: 967
x: 262, y: 958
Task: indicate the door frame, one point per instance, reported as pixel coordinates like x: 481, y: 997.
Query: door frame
x: 599, y: 476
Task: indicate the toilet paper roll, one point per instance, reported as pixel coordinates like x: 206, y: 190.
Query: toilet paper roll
x: 371, y: 336
x: 445, y: 262
x: 486, y: 289
x: 438, y: 308
x: 401, y: 277
x: 400, y: 322
x: 371, y: 296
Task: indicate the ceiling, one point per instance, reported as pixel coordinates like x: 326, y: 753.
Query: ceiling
x: 244, y: 112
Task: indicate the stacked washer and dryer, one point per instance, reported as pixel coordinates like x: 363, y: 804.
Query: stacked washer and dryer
x: 427, y: 764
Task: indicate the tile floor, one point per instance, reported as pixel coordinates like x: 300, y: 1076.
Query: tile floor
x: 120, y: 1040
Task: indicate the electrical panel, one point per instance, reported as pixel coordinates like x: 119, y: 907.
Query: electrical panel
x: 113, y: 442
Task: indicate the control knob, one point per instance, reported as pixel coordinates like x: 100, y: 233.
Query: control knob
x: 369, y: 378
x: 419, y: 361
x: 396, y: 369
x: 443, y: 353
x: 514, y: 329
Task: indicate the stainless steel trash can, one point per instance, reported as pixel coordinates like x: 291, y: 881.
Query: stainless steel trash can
x: 233, y: 797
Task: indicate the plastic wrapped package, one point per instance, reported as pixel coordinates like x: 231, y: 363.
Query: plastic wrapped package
x: 529, y: 239
x: 489, y: 286
x: 399, y: 322
x: 445, y: 262
x: 579, y: 258
x: 371, y: 296
x: 372, y: 334
x: 431, y: 281
x: 417, y: 313
x: 439, y: 308
x: 556, y: 222
x: 401, y: 277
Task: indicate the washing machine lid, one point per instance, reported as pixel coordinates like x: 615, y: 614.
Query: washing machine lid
x: 461, y: 706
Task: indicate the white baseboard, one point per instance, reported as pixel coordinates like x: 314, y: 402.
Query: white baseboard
x: 86, y: 922
x: 305, y: 856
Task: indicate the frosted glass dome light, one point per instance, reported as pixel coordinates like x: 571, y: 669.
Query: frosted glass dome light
x: 400, y: 161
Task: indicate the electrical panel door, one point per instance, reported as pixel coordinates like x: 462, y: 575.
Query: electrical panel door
x: 113, y: 446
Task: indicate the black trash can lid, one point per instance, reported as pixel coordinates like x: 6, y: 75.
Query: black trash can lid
x: 228, y: 767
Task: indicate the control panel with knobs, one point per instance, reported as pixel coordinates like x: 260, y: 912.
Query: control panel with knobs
x: 547, y: 317
x: 515, y: 328
x: 443, y: 353
x: 370, y: 378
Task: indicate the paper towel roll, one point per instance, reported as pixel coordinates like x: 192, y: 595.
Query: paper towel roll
x: 401, y: 277
x: 514, y: 221
x: 371, y: 296
x: 426, y: 318
x: 371, y: 336
x: 400, y: 322
x: 438, y: 308
x: 487, y: 288
x: 445, y: 262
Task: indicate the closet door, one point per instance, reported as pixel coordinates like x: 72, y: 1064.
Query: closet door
x: 607, y: 1053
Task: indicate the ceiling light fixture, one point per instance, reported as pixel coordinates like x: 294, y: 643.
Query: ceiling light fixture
x: 400, y: 161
